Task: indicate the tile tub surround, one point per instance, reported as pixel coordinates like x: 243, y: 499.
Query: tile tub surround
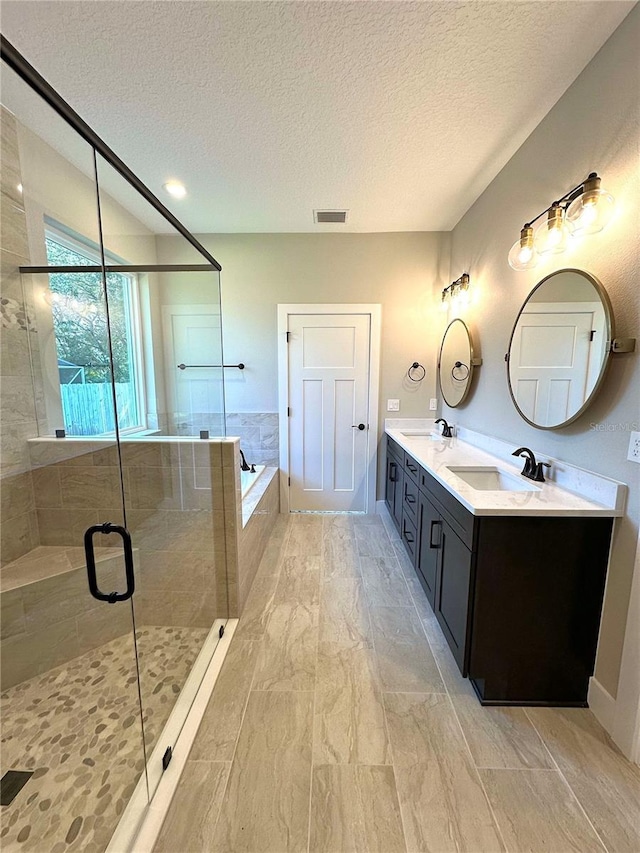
x: 48, y: 617
x: 380, y: 768
x: 259, y: 435
x: 582, y: 493
x: 78, y: 727
x: 259, y: 512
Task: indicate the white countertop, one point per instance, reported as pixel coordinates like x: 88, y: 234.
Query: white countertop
x: 436, y: 455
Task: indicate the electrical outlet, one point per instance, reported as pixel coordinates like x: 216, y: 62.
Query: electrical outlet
x: 634, y: 447
x: 393, y: 405
x: 433, y: 404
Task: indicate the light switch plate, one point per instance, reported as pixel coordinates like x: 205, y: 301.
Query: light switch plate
x: 393, y: 405
x: 634, y: 447
x: 433, y: 404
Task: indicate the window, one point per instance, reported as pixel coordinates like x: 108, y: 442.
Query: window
x: 82, y: 341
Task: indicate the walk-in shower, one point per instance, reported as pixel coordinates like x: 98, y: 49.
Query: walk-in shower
x: 106, y: 483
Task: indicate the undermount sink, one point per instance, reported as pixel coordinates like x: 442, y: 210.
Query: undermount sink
x: 488, y: 478
x: 420, y: 433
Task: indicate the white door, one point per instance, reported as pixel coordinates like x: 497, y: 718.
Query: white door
x: 193, y: 365
x: 549, y: 364
x: 328, y: 371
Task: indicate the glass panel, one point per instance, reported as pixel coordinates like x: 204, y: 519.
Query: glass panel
x: 173, y: 479
x: 70, y: 701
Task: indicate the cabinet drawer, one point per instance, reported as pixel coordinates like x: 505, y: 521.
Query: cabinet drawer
x: 461, y: 520
x: 410, y: 498
x: 411, y: 468
x: 409, y: 536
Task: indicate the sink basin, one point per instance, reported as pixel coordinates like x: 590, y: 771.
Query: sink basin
x: 488, y: 478
x: 420, y: 433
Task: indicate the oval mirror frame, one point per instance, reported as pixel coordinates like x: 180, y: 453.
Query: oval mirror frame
x: 609, y: 331
x: 473, y: 362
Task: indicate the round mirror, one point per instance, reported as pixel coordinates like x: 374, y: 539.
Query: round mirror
x: 559, y: 348
x: 456, y: 363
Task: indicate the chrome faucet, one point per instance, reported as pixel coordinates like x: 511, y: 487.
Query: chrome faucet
x: 532, y: 469
x: 447, y: 429
x: 244, y: 466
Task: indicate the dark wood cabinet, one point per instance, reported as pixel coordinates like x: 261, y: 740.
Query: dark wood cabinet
x: 453, y: 592
x: 428, y: 553
x: 394, y: 481
x: 518, y: 598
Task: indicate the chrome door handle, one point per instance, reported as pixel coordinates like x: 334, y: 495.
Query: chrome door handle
x: 358, y: 426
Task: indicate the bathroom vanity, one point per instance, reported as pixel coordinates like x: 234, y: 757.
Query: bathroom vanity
x: 514, y: 570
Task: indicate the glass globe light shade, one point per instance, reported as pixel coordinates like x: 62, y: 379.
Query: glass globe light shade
x: 551, y: 235
x: 523, y: 255
x: 592, y: 210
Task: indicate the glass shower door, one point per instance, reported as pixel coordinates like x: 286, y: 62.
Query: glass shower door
x: 166, y: 437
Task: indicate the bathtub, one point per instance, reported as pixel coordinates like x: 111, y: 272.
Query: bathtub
x: 248, y: 479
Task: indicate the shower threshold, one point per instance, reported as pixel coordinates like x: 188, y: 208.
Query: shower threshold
x: 140, y: 825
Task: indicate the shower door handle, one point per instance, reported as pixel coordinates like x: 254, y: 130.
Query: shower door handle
x: 106, y: 528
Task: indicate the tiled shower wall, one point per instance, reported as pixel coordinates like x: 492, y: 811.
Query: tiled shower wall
x: 170, y: 515
x: 19, y: 408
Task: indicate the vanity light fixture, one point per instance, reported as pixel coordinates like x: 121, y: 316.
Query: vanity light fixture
x: 585, y: 209
x: 456, y: 293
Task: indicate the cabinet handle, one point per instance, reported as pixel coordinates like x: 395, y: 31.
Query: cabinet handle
x: 410, y: 499
x: 433, y: 544
x: 412, y: 468
x: 408, y: 536
x: 393, y: 470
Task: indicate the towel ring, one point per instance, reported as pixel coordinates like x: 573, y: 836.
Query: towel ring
x: 457, y: 366
x: 416, y: 366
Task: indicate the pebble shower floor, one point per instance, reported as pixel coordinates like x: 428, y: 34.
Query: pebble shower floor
x: 78, y: 728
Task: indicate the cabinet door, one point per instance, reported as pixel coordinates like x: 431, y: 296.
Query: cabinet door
x: 429, y: 536
x: 453, y: 592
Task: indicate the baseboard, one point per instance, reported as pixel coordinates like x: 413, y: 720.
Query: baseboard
x: 602, y: 704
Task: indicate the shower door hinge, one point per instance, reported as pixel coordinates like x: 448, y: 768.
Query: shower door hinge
x: 166, y: 758
x: 221, y: 632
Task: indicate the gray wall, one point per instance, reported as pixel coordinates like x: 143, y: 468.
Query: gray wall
x: 399, y: 270
x: 594, y: 126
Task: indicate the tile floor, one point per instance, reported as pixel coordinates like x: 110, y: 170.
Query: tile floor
x: 340, y: 722
x: 78, y: 728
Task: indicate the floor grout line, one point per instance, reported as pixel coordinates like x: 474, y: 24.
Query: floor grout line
x: 566, y: 782
x: 246, y: 703
x: 403, y: 820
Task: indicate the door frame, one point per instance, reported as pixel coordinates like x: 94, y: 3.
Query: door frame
x: 374, y: 311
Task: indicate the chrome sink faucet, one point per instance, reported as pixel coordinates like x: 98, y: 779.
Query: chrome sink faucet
x: 447, y: 429
x: 532, y: 469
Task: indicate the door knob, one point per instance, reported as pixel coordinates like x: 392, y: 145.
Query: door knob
x: 358, y: 426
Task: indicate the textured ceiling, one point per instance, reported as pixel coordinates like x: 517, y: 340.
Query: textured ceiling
x: 401, y: 112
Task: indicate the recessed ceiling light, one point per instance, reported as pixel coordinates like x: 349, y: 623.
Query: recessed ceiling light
x: 176, y: 189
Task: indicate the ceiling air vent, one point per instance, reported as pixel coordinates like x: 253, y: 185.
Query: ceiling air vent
x: 334, y: 216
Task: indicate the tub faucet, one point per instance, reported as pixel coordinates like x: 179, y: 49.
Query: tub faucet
x: 447, y: 429
x: 244, y: 466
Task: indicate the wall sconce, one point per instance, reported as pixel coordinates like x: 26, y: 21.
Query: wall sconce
x: 456, y: 294
x: 585, y: 209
